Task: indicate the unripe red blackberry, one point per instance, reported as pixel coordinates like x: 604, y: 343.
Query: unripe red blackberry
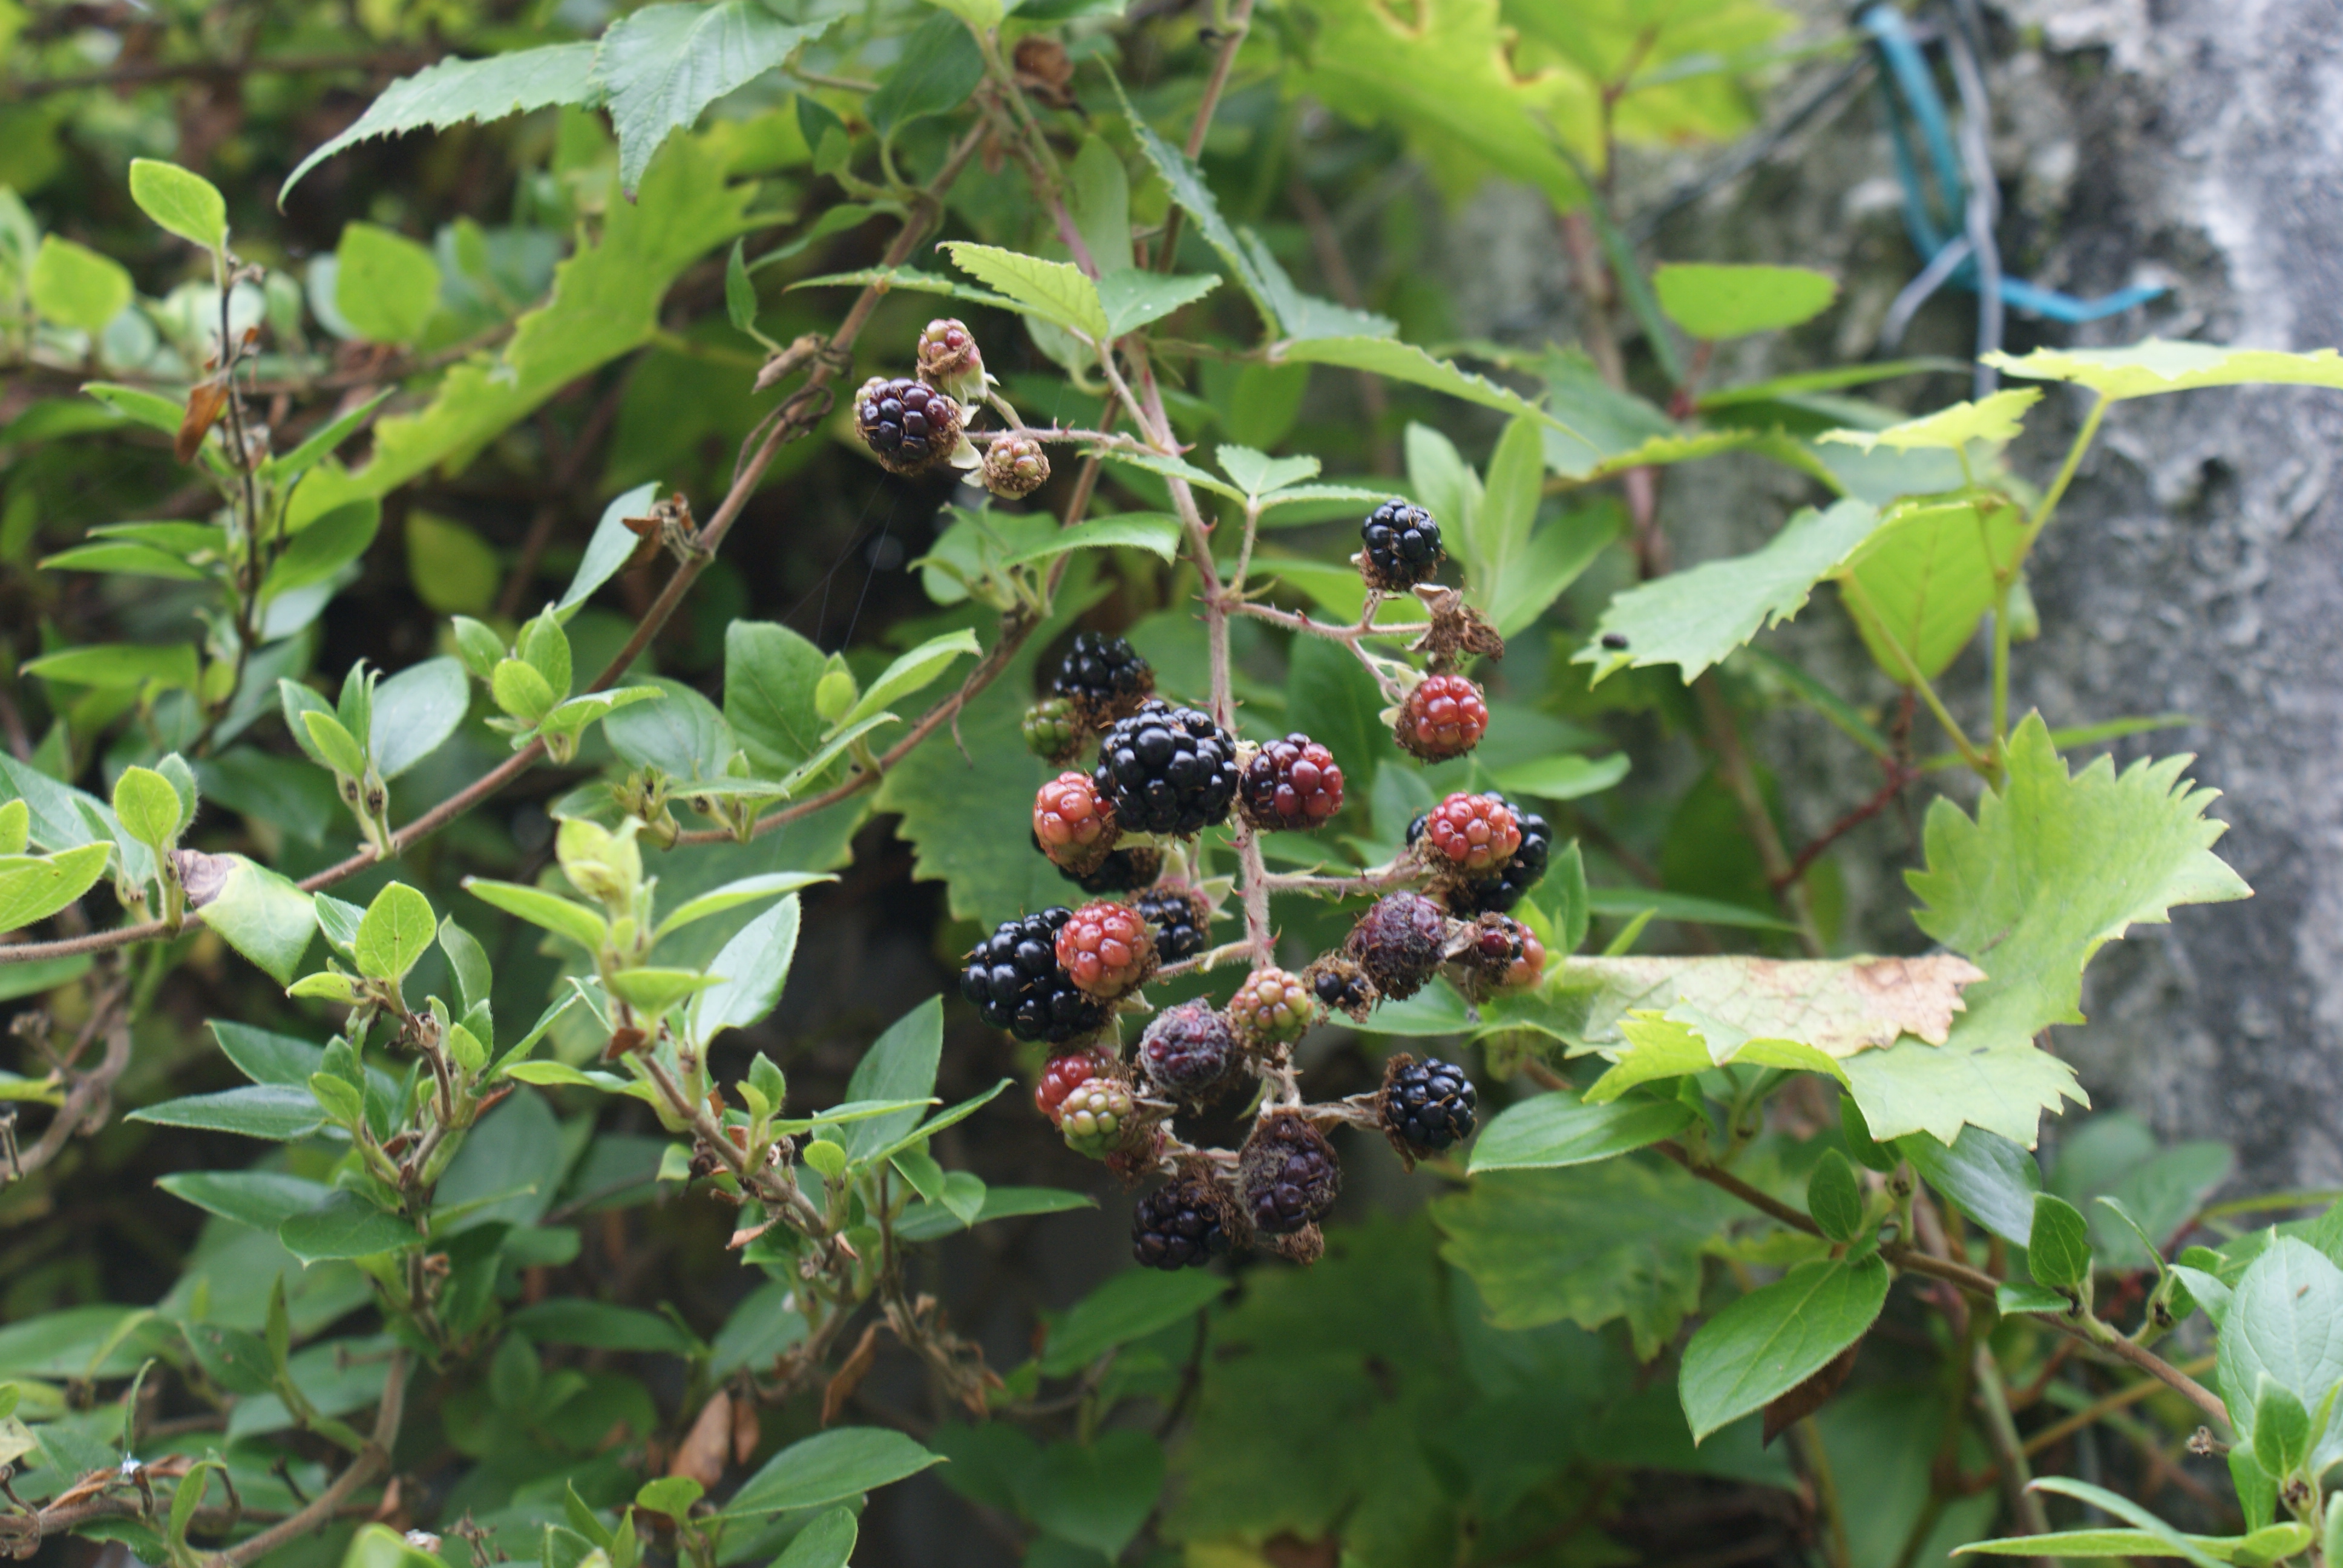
x: 1187, y: 1051
x: 1518, y: 875
x: 1272, y: 1008
x: 1443, y: 717
x: 1106, y: 949
x: 1287, y: 1175
x: 1052, y: 731
x: 1399, y: 942
x: 1501, y: 953
x: 1400, y: 547
x: 1098, y: 1118
x: 1292, y: 784
x: 1182, y: 921
x: 1530, y: 968
x: 1428, y: 1106
x: 1074, y: 828
x: 909, y: 427
x: 1015, y: 466
x: 1167, y: 771
x: 949, y: 361
x: 1013, y: 979
x: 1181, y: 1226
x: 1473, y: 834
x: 1063, y: 1076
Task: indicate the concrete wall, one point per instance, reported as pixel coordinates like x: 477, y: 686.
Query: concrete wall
x: 2197, y: 564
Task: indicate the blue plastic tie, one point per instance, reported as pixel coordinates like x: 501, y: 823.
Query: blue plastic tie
x: 1908, y: 92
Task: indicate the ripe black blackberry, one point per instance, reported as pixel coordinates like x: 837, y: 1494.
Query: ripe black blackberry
x: 1402, y: 547
x: 1182, y: 1226
x: 907, y: 425
x: 1168, y: 770
x: 1429, y: 1105
x: 1103, y: 677
x: 1013, y: 979
x: 1499, y: 894
x: 1287, y: 1176
x: 1183, y: 922
x: 1398, y: 942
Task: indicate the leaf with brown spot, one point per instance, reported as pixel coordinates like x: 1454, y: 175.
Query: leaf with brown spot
x: 1810, y: 1395
x: 849, y: 1375
x: 206, y: 403
x: 701, y: 1456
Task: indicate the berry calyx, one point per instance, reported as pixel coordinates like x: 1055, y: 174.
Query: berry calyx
x: 1443, y: 717
x: 1103, y: 677
x: 1272, y: 1008
x: 1063, y: 1076
x: 1474, y: 834
x: 1400, y: 547
x: 1098, y: 1118
x: 1012, y: 978
x: 1182, y: 921
x: 1187, y: 1051
x: 1292, y: 784
x: 1168, y: 770
x: 1074, y: 828
x: 1399, y: 943
x: 1428, y: 1106
x: 1014, y: 467
x: 1122, y: 869
x: 1105, y: 949
x: 1518, y: 877
x: 1182, y: 1226
x: 909, y: 427
x: 950, y: 360
x: 1287, y: 1175
x: 1052, y: 729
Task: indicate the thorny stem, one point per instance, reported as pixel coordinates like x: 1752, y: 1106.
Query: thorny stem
x: 2091, y: 1331
x: 1232, y: 40
x: 1294, y: 620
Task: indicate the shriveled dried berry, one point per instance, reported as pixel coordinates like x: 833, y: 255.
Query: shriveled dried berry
x: 1188, y: 1053
x: 1398, y: 942
x: 1287, y: 1175
x: 1181, y: 1226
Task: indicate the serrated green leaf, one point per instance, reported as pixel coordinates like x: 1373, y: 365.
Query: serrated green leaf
x: 1660, y: 1047
x: 1056, y: 291
x: 2058, y: 1244
x: 1994, y: 420
x: 2156, y: 365
x: 455, y: 91
x: 1774, y: 1338
x: 1713, y: 301
x: 1926, y: 579
x: 662, y: 64
x: 1693, y: 619
x: 1133, y: 297
x: 2051, y: 868
x: 1590, y: 1243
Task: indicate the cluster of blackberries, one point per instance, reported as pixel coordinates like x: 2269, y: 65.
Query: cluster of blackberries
x: 912, y: 423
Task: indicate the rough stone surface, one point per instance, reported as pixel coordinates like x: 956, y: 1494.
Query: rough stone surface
x: 2197, y: 564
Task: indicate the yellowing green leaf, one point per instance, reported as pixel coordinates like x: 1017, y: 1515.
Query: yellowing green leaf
x: 1056, y: 291
x: 2050, y: 869
x: 2157, y: 365
x: 1995, y: 419
x: 1659, y: 1048
x: 1927, y: 578
x: 1711, y: 301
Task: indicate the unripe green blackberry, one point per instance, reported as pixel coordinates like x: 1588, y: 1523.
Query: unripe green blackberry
x: 951, y: 363
x: 1052, y: 731
x: 1272, y: 1008
x: 1015, y: 466
x: 1098, y: 1118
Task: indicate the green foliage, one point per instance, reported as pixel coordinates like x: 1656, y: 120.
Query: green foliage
x: 677, y: 696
